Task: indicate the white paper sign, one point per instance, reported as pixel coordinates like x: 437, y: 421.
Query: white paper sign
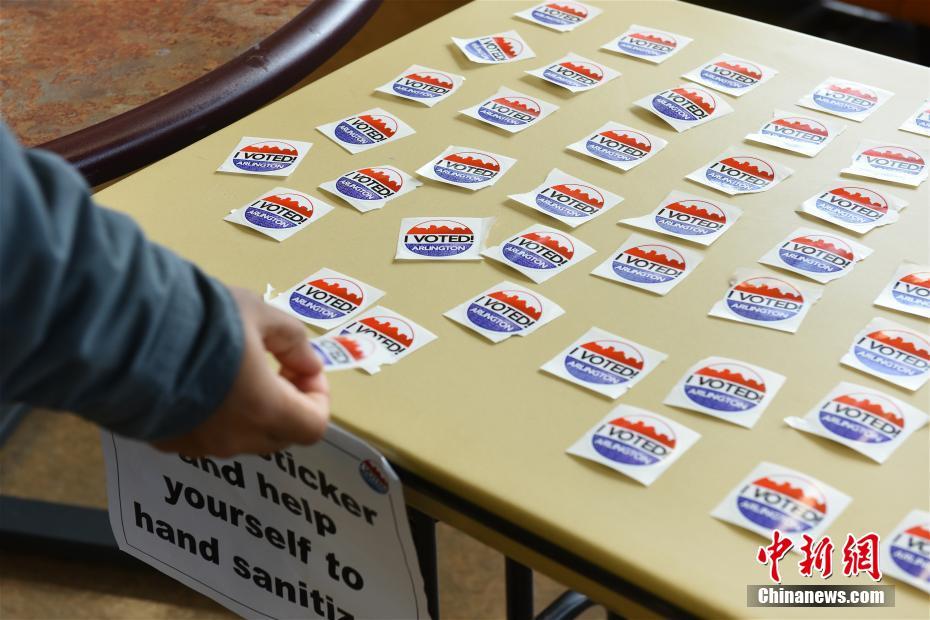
x: 326, y: 298
x: 797, y: 133
x: 561, y: 15
x: 866, y: 420
x: 908, y: 291
x: 442, y: 238
x: 892, y: 352
x: 604, y: 363
x: 919, y: 121
x: 371, y: 188
x: 756, y: 298
x: 845, y: 98
x: 366, y: 130
x: 619, y: 146
x: 423, y: 85
x: 731, y: 74
x: 279, y: 213
x: 568, y: 199
x: 511, y: 111
x: 318, y: 531
x: 635, y: 442
x: 540, y: 252
x: 575, y: 73
x: 889, y: 162
x: 465, y: 167
x: 853, y: 206
x: 686, y: 106
x: 394, y: 333
x: 906, y: 552
x: 265, y: 156
x: 741, y: 171
x: 647, y: 43
x: 505, y: 310
x: 349, y: 352
x: 495, y: 49
x: 820, y: 256
x: 689, y: 217
x: 654, y: 266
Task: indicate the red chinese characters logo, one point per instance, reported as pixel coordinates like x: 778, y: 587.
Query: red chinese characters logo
x: 860, y: 555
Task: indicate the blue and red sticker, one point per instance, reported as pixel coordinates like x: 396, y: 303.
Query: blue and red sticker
x: 494, y: 49
x: 797, y: 133
x: 540, y: 252
x: 436, y: 238
x: 647, y: 43
x: 511, y: 111
x: 393, y: 332
x: 265, y: 156
x: 469, y: 168
x: 854, y: 206
x: 852, y: 100
x: 371, y: 188
x: 685, y: 106
x: 505, y: 310
x: 774, y: 497
x: 348, y: 352
x: 575, y: 73
x: 604, y: 363
x: 619, y: 146
x: 279, y: 213
x: 366, y: 130
x: 561, y: 15
x: 820, y: 256
x: 889, y: 162
x: 423, y: 85
x: 906, y: 552
x: 757, y: 298
x: 741, y: 172
x: 570, y: 200
x: 731, y: 74
x: 892, y: 352
x: 919, y: 121
x: 654, y: 266
x: 635, y: 442
x: 688, y: 217
x: 908, y: 291
x: 327, y: 298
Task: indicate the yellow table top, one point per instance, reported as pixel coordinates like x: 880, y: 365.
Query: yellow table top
x: 480, y: 419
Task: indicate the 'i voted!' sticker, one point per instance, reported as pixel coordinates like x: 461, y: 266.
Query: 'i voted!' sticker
x: 570, y: 200
x: 906, y: 552
x: 437, y: 238
x: 889, y: 162
x: 371, y: 188
x: 279, y: 213
x: 820, y: 256
x: 908, y: 291
x: 495, y: 49
x: 686, y: 106
x: 575, y: 73
x: 423, y: 85
x: 395, y: 333
x: 845, y: 98
x: 347, y: 352
x: 797, y: 132
x: 511, y: 111
x: 505, y: 310
x: 654, y: 266
x: 738, y: 171
x: 854, y: 206
x: 469, y: 168
x: 919, y: 121
x: 647, y: 43
x: 731, y: 74
x: 562, y: 15
x: 366, y: 130
x: 892, y: 352
x: 540, y: 252
x: 756, y: 298
x: 686, y: 216
x: 327, y: 298
x: 269, y: 157
x: 619, y: 146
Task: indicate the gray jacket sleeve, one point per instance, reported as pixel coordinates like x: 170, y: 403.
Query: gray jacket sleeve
x: 97, y: 320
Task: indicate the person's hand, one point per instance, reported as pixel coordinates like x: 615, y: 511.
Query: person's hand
x: 264, y: 412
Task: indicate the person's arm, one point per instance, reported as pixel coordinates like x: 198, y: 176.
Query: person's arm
x: 97, y: 320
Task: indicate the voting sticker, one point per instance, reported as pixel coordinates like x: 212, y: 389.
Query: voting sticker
x: 866, y: 420
x: 266, y: 156
x: 604, y: 363
x: 371, y: 188
x: 348, y: 352
x: 570, y: 200
x: 540, y: 252
x: 845, y: 98
x: 919, y: 121
x: 689, y: 217
x: 908, y: 291
x: 505, y: 310
x: 635, y: 442
x: 731, y: 74
x: 740, y: 171
x: 854, y: 206
x: 562, y: 16
x: 773, y: 497
x: 906, y: 552
x: 619, y: 146
x: 279, y: 213
x: 326, y: 298
x: 423, y: 85
x: 366, y: 130
x: 575, y: 73
x: 798, y: 133
x: 397, y: 335
x: 891, y: 351
x: 465, y: 167
x: 441, y: 238
x: 647, y: 43
x: 728, y: 389
x: 820, y: 256
x: 648, y: 264
x: 511, y: 111
x: 686, y: 106
x: 495, y: 49
x: 756, y: 298
x: 889, y: 162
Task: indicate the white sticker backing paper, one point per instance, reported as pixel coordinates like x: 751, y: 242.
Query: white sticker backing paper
x: 892, y: 352
x: 505, y: 310
x: 568, y: 199
x: 279, y: 213
x: 442, y: 238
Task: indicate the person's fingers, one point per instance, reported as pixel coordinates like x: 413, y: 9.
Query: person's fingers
x: 299, y: 417
x: 307, y: 383
x: 286, y: 339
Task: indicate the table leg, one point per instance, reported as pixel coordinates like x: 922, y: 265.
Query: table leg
x: 423, y: 531
x: 519, y: 590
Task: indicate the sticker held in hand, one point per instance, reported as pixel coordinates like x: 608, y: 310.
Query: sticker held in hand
x: 397, y: 335
x: 575, y: 73
x: 619, y: 146
x: 568, y: 199
x: 495, y: 49
x: 892, y: 352
x: 366, y: 130
x: 540, y: 252
x: 469, y: 168
x: 347, y: 352
x: 688, y: 217
x: 423, y: 85
x: 439, y: 238
x: 265, y: 156
x: 280, y: 213
x: 327, y: 298
x: 505, y: 310
x: 371, y: 188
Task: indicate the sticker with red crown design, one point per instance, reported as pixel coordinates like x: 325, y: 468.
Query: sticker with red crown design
x: 442, y: 238
x: 568, y: 199
x: 919, y: 121
x: 637, y: 443
x: 727, y: 389
x: 685, y: 106
x: 731, y: 74
x: 652, y: 265
x: 466, y: 167
x: 604, y: 363
x: 647, y: 43
x: 540, y: 252
x: 891, y: 351
x: 326, y: 299
x: 854, y: 206
x: 266, y: 156
x: 773, y: 497
x: 889, y: 162
x: 866, y: 420
x: 798, y: 133
x: 366, y: 130
x: 575, y: 73
x: 908, y: 291
x: 820, y: 256
x: 347, y: 352
x: 688, y: 217
x: 495, y: 49
x: 505, y: 310
x: 905, y: 554
x: 511, y: 111
x: 423, y: 85
x: 395, y: 333
x: 845, y: 98
x: 740, y: 171
x: 561, y: 15
x: 757, y: 298
x: 372, y: 187
x: 279, y: 213
x: 619, y: 146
